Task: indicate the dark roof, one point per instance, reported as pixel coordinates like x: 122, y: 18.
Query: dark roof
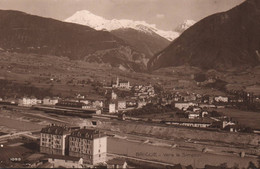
x: 45, y: 165
x: 87, y: 133
x: 57, y: 130
x: 64, y: 157
x: 117, y: 161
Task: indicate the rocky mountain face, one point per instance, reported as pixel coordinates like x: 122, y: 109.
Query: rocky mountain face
x: 224, y: 40
x: 24, y: 33
x: 149, y: 44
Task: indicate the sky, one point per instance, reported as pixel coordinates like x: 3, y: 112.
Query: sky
x: 165, y: 14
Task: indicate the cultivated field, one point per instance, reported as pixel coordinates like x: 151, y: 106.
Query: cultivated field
x: 247, y: 118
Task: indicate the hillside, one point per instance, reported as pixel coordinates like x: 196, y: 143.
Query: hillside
x: 24, y: 33
x: 147, y: 43
x: 223, y: 40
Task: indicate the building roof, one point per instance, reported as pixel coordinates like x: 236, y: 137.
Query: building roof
x: 45, y: 165
x: 56, y: 130
x: 64, y: 157
x: 87, y: 133
x: 184, y: 120
x: 117, y: 161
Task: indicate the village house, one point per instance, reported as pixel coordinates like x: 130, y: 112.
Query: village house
x: 184, y: 105
x: 50, y: 101
x: 193, y: 115
x: 27, y: 101
x: 53, y: 140
x: 96, y: 102
x: 121, y: 104
x: 113, y: 108
x: 144, y: 92
x: 65, y: 161
x: 89, y: 144
x: 221, y: 99
x: 113, y: 96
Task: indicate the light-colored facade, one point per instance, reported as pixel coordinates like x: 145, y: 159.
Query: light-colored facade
x: 28, y: 102
x: 193, y: 115
x: 65, y: 161
x: 221, y: 99
x: 53, y: 140
x: 112, y: 108
x: 113, y: 95
x: 89, y: 144
x: 185, y: 105
x: 49, y: 101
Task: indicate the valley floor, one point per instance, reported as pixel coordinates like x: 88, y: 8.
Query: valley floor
x: 147, y: 144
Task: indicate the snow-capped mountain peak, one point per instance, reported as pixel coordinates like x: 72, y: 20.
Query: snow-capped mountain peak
x: 99, y: 23
x: 184, y: 26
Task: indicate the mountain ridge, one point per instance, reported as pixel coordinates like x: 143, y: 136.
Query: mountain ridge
x: 222, y: 40
x: 87, y: 18
x: 25, y: 33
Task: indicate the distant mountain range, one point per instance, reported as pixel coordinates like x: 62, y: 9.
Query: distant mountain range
x: 24, y: 33
x: 144, y: 37
x: 223, y: 40
x: 87, y: 18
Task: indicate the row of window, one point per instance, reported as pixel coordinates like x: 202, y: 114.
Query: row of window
x: 50, y: 140
x: 80, y: 150
x: 51, y: 136
x: 79, y: 140
x: 50, y: 145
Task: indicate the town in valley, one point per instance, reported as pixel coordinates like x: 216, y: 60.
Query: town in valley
x: 89, y: 92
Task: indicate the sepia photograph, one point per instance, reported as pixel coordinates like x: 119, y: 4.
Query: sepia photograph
x: 130, y: 84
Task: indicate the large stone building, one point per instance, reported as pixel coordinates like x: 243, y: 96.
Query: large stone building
x: 54, y: 140
x: 89, y: 144
x: 121, y: 84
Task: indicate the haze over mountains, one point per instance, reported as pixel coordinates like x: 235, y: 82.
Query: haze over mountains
x: 223, y: 40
